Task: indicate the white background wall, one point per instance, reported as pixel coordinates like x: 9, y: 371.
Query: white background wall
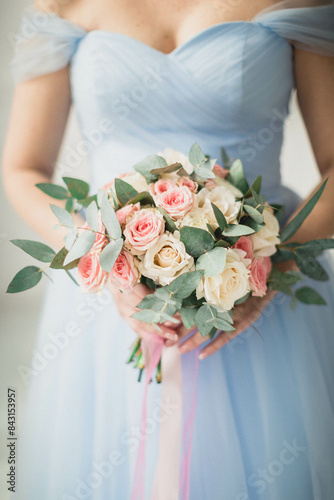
x: 19, y: 312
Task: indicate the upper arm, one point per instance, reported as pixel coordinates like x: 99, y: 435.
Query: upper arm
x: 315, y: 90
x: 37, y: 122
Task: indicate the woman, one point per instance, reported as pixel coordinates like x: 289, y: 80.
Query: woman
x: 147, y: 76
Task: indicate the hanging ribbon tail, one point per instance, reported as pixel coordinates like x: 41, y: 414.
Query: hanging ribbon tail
x: 152, y: 346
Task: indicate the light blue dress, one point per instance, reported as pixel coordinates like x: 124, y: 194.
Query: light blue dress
x: 264, y: 426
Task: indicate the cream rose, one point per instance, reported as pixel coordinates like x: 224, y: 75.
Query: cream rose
x: 265, y: 241
x: 166, y: 260
x: 137, y: 181
x: 224, y: 199
x: 221, y: 182
x: 143, y: 229
x: 232, y: 284
x: 196, y: 218
x: 171, y: 156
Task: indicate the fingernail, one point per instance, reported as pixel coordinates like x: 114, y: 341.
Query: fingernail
x: 184, y: 348
x: 171, y: 336
x: 202, y: 355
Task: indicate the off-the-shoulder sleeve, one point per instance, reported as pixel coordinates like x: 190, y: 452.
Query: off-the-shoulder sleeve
x: 307, y: 28
x: 45, y: 43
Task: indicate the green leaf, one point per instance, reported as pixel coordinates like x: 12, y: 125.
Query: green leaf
x: 144, y: 198
x: 316, y: 247
x: 205, y: 317
x: 192, y: 301
x: 282, y: 255
x: 79, y: 189
x: 293, y: 226
x: 27, y: 278
x: 58, y: 261
x: 170, y: 224
x: 147, y: 315
x: 309, y: 266
x: 150, y: 301
x: 222, y: 244
x: 253, y: 225
x: 64, y: 217
x: 220, y: 217
x: 196, y: 155
x: 110, y: 220
x: 82, y: 245
x: 92, y: 216
x: 308, y: 295
x: 237, y: 178
x: 71, y: 237
x: 254, y: 214
x: 205, y: 170
x: 174, y: 167
x: 188, y: 315
x: 72, y: 277
x: 144, y: 167
x: 38, y: 250
x: 69, y: 205
x: 53, y: 190
x: 89, y: 200
x: 197, y: 241
x: 255, y: 187
x: 184, y: 285
x: 110, y: 253
x: 213, y: 262
x: 243, y: 299
x: 124, y: 191
x: 237, y: 230
x: 225, y: 158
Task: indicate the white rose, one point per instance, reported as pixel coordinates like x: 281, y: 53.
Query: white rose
x: 265, y: 241
x: 224, y: 199
x: 196, y: 218
x: 232, y: 284
x: 137, y: 181
x: 166, y: 260
x: 219, y: 181
x: 171, y: 156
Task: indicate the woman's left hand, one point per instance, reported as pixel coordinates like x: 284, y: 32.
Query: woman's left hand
x: 245, y: 315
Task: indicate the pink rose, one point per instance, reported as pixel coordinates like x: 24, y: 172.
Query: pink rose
x: 126, y: 211
x: 90, y: 275
x: 143, y: 230
x: 244, y: 243
x: 267, y: 264
x: 177, y: 201
x: 124, y: 274
x: 100, y: 239
x: 258, y: 278
x: 189, y: 183
x: 161, y: 186
x: 220, y: 171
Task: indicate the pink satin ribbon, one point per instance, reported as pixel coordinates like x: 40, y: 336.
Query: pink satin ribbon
x: 171, y: 480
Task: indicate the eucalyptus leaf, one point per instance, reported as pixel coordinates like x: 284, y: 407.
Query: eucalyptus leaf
x: 89, y: 200
x: 282, y: 255
x: 150, y: 301
x: 69, y: 205
x: 58, y: 261
x: 38, y: 250
x: 183, y: 286
x: 316, y: 247
x: 25, y: 279
x: 225, y: 158
x: 220, y: 217
x: 170, y: 224
x: 144, y: 167
x: 205, y: 319
x: 92, y: 216
x: 53, y: 190
x: 71, y: 237
x: 147, y: 315
x: 309, y: 266
x: 255, y: 187
x: 110, y: 220
x: 174, y: 167
x: 188, y: 315
x: 79, y: 189
x: 238, y: 230
x: 196, y: 155
x: 254, y: 214
x: 110, y: 253
x: 197, y: 241
x: 82, y: 245
x: 124, y: 191
x: 212, y: 262
x: 143, y: 198
x: 308, y: 295
x: 293, y: 226
x: 64, y: 217
x: 237, y: 178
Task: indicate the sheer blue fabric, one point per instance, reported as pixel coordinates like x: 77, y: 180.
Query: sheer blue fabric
x: 264, y: 426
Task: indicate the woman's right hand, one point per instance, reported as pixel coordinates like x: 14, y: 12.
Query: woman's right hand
x: 127, y: 306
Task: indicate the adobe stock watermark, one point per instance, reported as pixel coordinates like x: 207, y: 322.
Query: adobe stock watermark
x: 57, y: 341
x: 263, y: 477
x: 103, y: 470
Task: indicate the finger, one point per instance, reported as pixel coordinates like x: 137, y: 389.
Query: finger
x: 191, y: 343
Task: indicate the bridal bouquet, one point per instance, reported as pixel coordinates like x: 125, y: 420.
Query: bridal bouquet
x: 196, y: 233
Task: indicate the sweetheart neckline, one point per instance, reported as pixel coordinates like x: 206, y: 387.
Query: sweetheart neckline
x: 191, y: 40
